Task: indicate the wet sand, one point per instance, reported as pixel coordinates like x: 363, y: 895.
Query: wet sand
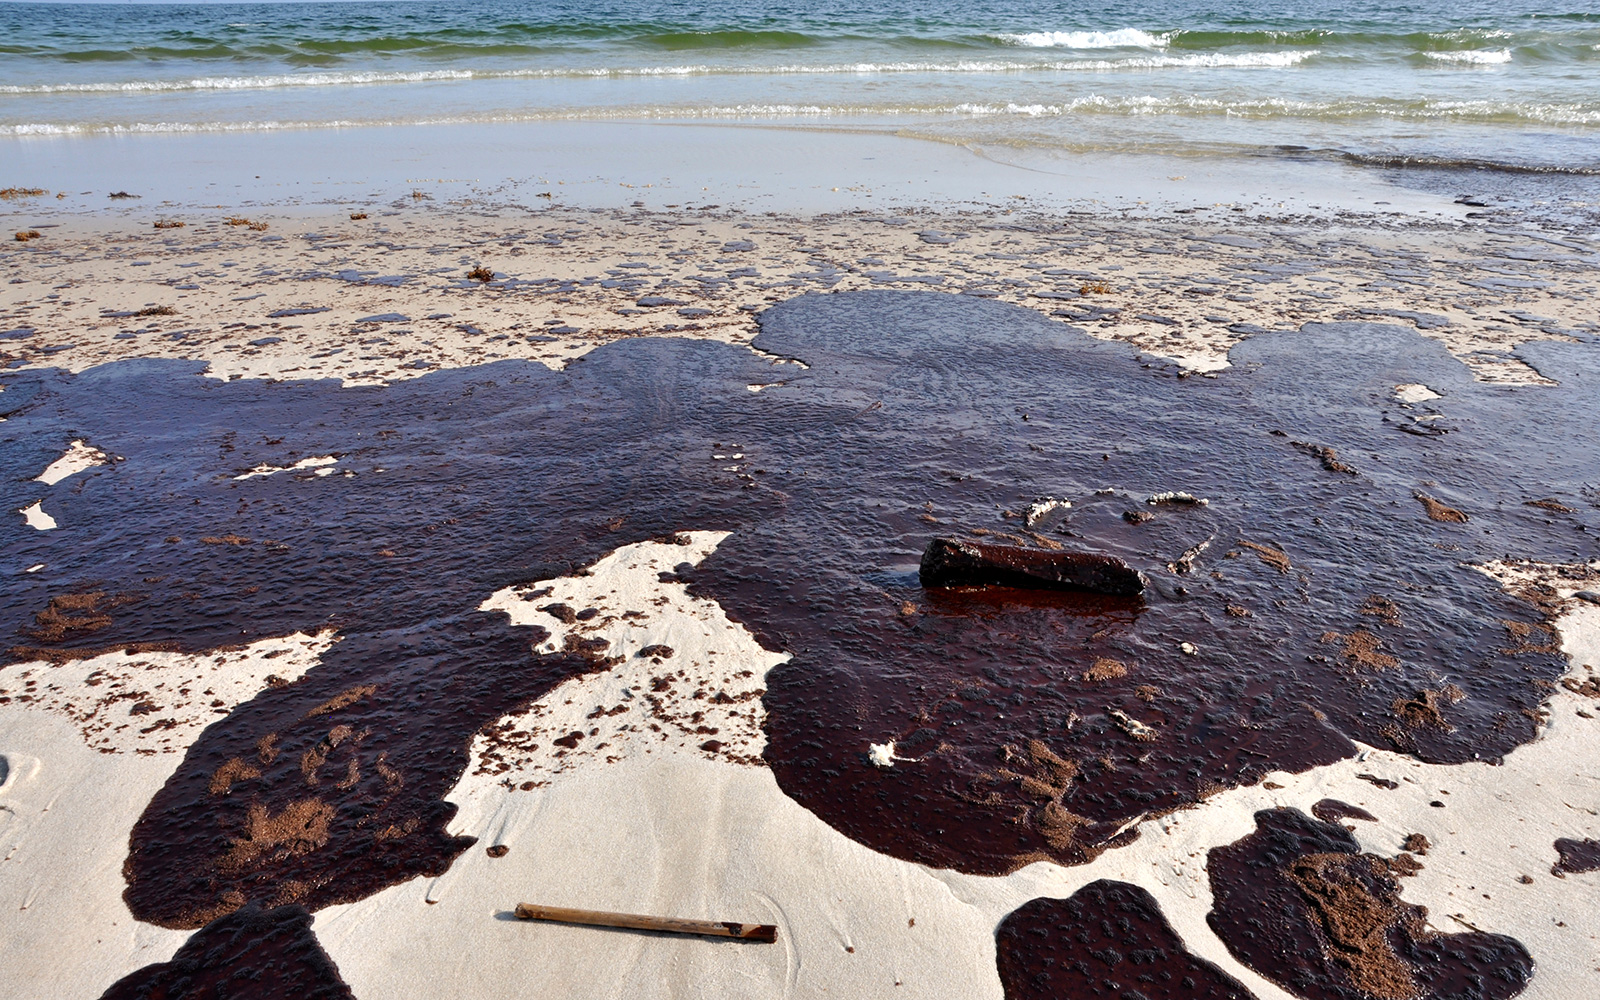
x: 633, y: 618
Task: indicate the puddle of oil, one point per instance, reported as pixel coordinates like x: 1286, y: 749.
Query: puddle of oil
x: 1299, y: 607
x: 1108, y: 939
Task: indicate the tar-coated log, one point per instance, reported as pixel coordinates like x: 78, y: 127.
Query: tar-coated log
x: 949, y: 563
x: 767, y: 933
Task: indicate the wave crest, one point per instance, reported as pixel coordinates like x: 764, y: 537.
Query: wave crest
x: 1472, y: 57
x: 1120, y: 38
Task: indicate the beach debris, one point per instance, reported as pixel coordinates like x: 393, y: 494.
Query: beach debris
x: 765, y: 933
x: 1414, y: 392
x: 882, y: 754
x: 1185, y: 562
x: 1326, y: 455
x: 1188, y: 649
x: 1094, y: 288
x: 1178, y: 497
x: 357, y: 216
x: 1276, y: 558
x: 481, y: 273
x: 1042, y: 506
x: 1133, y: 727
x: 950, y: 563
x: 156, y: 311
x: 15, y: 192
x: 25, y: 235
x: 169, y: 224
x: 239, y: 220
x: 1440, y: 512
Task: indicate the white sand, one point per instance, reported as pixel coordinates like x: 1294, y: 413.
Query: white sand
x: 318, y: 462
x: 74, y: 460
x: 80, y: 769
x: 35, y: 516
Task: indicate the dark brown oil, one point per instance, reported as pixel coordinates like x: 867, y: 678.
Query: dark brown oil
x: 1320, y: 605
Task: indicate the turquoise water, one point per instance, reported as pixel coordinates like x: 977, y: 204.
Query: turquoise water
x: 1511, y: 85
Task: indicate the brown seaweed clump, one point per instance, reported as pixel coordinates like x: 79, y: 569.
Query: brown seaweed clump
x: 1326, y: 455
x: 481, y: 273
x: 1441, y: 512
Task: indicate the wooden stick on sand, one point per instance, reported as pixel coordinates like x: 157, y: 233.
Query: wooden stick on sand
x: 767, y: 933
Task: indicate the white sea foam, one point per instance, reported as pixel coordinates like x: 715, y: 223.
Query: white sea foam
x: 1121, y: 38
x: 1472, y: 57
x: 1196, y: 60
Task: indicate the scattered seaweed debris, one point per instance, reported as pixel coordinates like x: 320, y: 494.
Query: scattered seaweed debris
x: 1326, y: 455
x: 357, y: 216
x: 1299, y: 903
x: 1385, y: 783
x: 1107, y: 939
x: 1381, y: 608
x: 239, y: 220
x: 1440, y: 512
x: 1105, y: 668
x: 251, y: 952
x: 950, y: 563
x: 169, y: 223
x: 25, y: 235
x: 1551, y: 503
x: 123, y: 194
x: 1094, y: 288
x: 156, y: 311
x: 1576, y: 856
x: 1276, y: 558
x: 11, y: 193
x: 481, y: 273
x: 1416, y: 843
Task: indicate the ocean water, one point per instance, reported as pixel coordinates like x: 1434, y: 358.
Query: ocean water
x: 1504, y: 85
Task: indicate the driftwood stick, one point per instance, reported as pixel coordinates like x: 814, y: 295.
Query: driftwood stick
x: 671, y: 925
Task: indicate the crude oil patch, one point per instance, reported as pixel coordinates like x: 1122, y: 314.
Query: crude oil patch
x: 253, y: 952
x: 1299, y: 903
x: 1108, y: 940
x: 919, y: 416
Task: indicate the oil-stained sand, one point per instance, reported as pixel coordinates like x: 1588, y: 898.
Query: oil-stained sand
x: 1108, y: 940
x: 1298, y: 902
x: 920, y: 414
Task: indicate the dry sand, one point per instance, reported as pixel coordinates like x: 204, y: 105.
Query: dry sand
x: 388, y: 297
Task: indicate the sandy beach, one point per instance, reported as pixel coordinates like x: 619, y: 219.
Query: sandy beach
x: 487, y: 533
